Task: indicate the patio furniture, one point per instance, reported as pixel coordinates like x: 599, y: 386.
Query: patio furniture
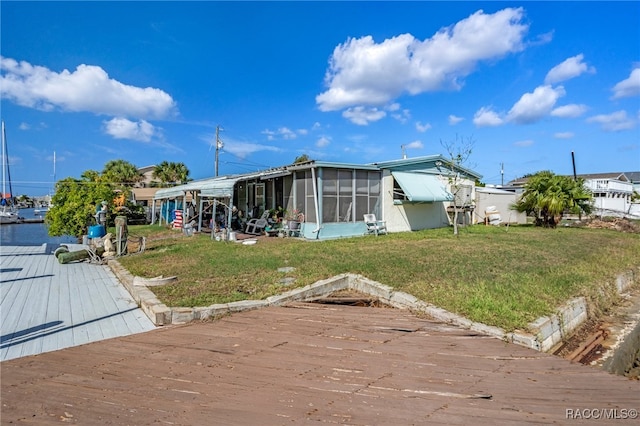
x: 256, y: 226
x: 294, y: 228
x: 374, y: 226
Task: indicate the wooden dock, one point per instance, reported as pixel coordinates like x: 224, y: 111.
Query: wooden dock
x: 310, y: 362
x: 46, y: 306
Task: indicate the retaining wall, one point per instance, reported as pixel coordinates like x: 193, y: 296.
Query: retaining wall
x: 543, y: 334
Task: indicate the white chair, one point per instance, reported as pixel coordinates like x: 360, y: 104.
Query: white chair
x: 375, y: 226
x: 256, y: 226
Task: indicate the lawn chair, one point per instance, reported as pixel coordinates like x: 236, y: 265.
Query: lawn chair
x: 375, y: 226
x: 294, y: 228
x: 256, y: 226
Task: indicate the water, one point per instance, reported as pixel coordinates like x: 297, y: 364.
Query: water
x: 30, y: 234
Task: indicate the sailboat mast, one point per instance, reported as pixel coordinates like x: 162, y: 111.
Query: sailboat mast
x: 4, y: 189
x: 6, y: 160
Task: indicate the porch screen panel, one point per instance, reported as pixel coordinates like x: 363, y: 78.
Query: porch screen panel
x: 310, y: 205
x: 374, y: 193
x: 300, y: 195
x: 367, y: 194
x: 362, y: 194
x: 288, y: 193
x: 345, y: 195
x: 329, y: 195
x: 269, y: 195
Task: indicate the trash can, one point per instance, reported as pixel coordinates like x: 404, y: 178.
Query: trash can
x: 97, y: 231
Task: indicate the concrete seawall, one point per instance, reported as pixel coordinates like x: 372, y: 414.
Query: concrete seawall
x: 543, y: 334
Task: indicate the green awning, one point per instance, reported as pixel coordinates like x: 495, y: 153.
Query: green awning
x: 422, y: 187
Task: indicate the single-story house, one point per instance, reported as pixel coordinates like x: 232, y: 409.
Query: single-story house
x: 331, y: 199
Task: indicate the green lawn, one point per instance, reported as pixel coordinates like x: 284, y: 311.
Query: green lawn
x: 500, y: 276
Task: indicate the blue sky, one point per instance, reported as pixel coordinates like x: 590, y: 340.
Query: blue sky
x: 528, y: 82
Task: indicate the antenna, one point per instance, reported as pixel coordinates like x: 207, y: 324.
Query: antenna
x: 219, y: 146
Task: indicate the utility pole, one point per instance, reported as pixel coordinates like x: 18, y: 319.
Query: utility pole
x: 501, y: 174
x: 219, y: 146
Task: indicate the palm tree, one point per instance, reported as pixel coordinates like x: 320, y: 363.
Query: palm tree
x: 170, y: 173
x: 121, y: 173
x: 548, y: 196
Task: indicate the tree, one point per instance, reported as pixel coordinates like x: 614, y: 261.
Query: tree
x: 171, y: 174
x: 547, y: 197
x: 121, y: 173
x: 301, y: 159
x: 75, y: 200
x: 74, y: 204
x: 458, y: 151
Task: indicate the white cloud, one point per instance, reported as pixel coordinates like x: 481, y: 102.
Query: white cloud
x: 563, y: 135
x: 422, y: 127
x: 282, y: 133
x: 524, y: 143
x: 362, y: 116
x: 453, y: 120
x: 485, y: 116
x: 24, y: 126
x: 323, y: 141
x: 414, y: 145
x: 570, y: 68
x: 122, y: 128
x: 402, y: 116
x: 365, y: 73
x: 569, y: 111
x: 87, y: 89
x: 629, y: 87
x: 244, y: 149
x: 613, y: 122
x: 531, y: 107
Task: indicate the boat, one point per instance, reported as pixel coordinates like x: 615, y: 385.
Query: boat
x: 8, y: 209
x: 45, y: 206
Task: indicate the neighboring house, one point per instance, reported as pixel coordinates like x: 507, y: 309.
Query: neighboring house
x: 634, y: 178
x: 611, y: 192
x: 408, y: 194
x: 143, y: 192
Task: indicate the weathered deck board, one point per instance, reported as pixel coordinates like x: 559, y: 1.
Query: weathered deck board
x: 46, y: 306
x: 286, y: 365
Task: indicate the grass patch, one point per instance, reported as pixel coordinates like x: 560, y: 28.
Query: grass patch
x: 500, y: 277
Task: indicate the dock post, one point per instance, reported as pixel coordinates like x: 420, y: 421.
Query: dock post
x: 121, y: 235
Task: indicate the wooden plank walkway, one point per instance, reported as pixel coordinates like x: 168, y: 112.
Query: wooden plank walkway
x: 309, y: 362
x: 46, y: 306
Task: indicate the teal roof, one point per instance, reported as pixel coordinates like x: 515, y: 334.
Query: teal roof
x: 436, y: 164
